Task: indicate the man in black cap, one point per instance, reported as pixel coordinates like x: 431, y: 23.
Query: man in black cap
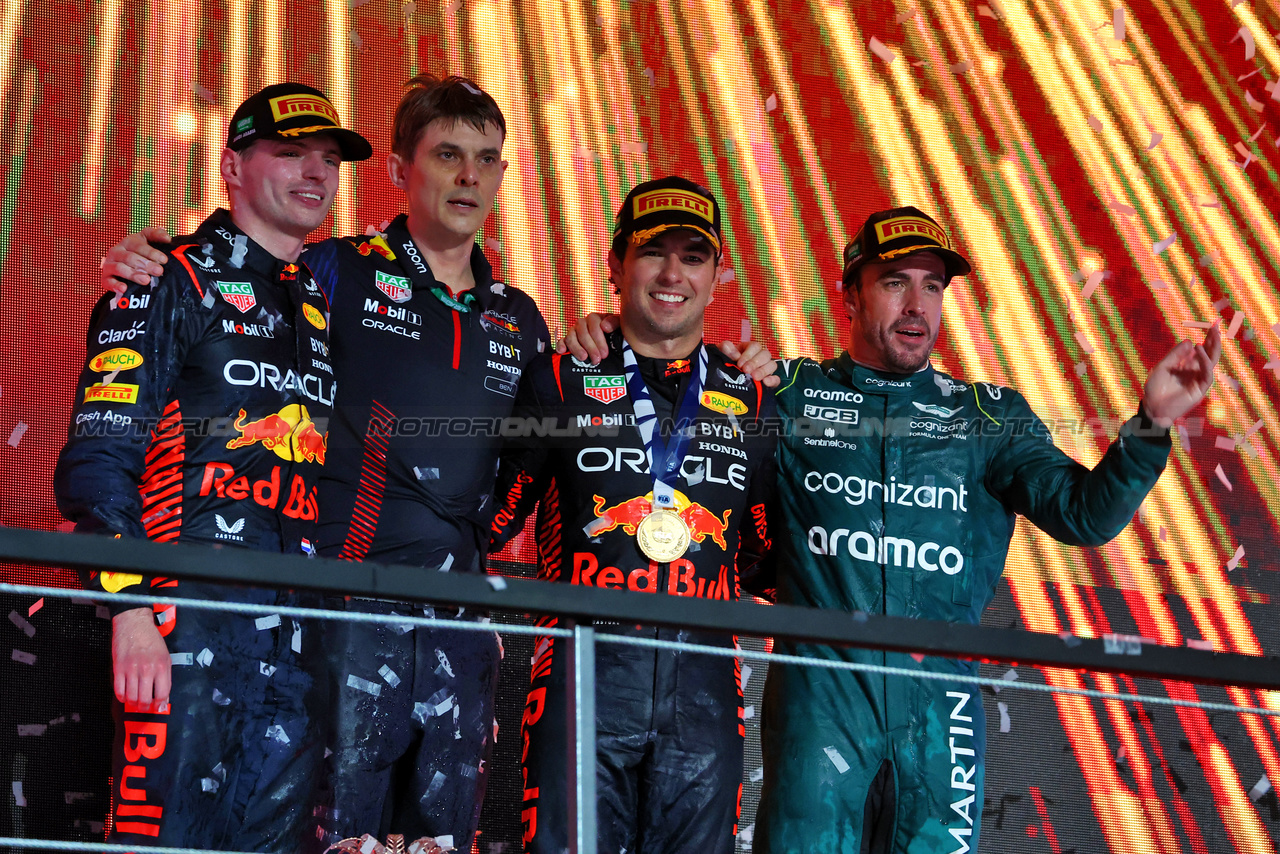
x: 898, y: 492
x: 201, y: 417
x: 663, y: 493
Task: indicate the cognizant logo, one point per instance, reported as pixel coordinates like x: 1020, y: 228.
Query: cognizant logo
x: 899, y: 551
x: 857, y: 490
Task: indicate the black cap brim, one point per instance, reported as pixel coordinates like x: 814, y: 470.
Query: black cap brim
x: 953, y: 263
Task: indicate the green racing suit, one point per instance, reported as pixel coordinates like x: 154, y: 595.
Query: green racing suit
x: 898, y: 495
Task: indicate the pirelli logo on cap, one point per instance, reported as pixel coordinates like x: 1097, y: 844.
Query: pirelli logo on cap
x: 288, y: 106
x: 672, y: 200
x: 909, y: 226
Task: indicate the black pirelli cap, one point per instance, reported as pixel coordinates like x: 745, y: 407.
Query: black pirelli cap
x: 292, y: 111
x: 891, y: 234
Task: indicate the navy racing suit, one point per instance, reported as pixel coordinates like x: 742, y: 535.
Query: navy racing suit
x: 200, y: 417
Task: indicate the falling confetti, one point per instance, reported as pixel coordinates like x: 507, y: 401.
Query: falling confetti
x: 15, y: 437
x: 836, y: 759
x: 1222, y: 476
x: 1161, y: 245
x: 1004, y: 716
x: 881, y: 50
x: 1235, y: 559
x: 771, y: 103
x: 1117, y: 30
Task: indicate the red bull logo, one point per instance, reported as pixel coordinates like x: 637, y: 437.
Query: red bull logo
x: 375, y: 244
x: 289, y: 433
x: 702, y: 523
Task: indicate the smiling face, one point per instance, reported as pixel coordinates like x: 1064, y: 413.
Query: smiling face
x: 451, y: 182
x: 282, y: 189
x: 664, y: 287
x: 896, y: 312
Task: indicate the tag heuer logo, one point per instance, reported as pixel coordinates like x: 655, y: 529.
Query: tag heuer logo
x: 239, y: 294
x: 605, y: 389
x: 395, y: 287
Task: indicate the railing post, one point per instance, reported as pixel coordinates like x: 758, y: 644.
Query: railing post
x: 581, y: 724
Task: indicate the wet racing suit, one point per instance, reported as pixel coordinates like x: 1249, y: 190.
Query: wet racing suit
x: 670, y: 726
x: 200, y: 416
x: 898, y: 495
x: 413, y: 449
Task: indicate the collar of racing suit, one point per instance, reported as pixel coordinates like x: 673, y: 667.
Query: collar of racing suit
x: 854, y: 375
x: 237, y: 253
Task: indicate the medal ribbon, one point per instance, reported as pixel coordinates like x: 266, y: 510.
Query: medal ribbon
x: 666, y: 454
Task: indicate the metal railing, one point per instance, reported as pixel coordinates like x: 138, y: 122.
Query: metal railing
x: 581, y: 606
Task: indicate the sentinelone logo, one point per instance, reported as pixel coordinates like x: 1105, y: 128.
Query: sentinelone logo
x: 898, y: 550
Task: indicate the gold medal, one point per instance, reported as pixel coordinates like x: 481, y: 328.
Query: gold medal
x: 663, y: 536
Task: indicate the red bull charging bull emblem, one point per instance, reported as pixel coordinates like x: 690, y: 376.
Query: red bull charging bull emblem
x: 289, y: 433
x: 702, y: 523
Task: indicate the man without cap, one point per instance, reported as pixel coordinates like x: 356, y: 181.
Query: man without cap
x: 200, y: 417
x: 663, y: 491
x: 904, y: 503
x: 898, y: 490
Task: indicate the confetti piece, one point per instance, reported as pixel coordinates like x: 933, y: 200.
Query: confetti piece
x: 1235, y: 559
x: 364, y: 685
x: 408, y: 10
x: 1245, y: 35
x: 356, y: 4
x: 295, y: 643
x: 836, y: 759
x: 448, y: 562
x: 597, y: 524
x: 1081, y: 368
x: 265, y: 669
x: 1069, y: 639
x: 444, y: 662
x: 1257, y: 425
x: 1222, y: 476
x: 497, y: 582
x: 18, y: 798
x: 1095, y: 123
x: 208, y: 784
x: 1004, y: 716
x: 356, y: 40
x: 648, y: 73
x: 205, y: 658
x: 445, y: 842
x: 903, y: 17
x: 918, y: 656
x: 1224, y: 444
x: 23, y: 657
x: 1120, y: 207
x: 388, y: 675
x: 1244, y: 152
x: 1260, y: 788
x: 961, y: 67
x: 744, y: 330
x: 771, y: 103
x: 1161, y: 245
x: 1164, y: 535
x: 748, y: 713
x: 1117, y: 30
x: 202, y: 93
x: 1120, y: 754
x: 1237, y: 320
x: 270, y: 621
x: 727, y: 275
x: 493, y: 243
x: 1155, y: 140
x: 1083, y: 341
x: 25, y: 730
x: 988, y: 12
x: 420, y: 712
x: 746, y: 675
x: 277, y: 733
x: 1254, y: 103
x: 1159, y: 285
x: 757, y: 775
x: 1091, y: 285
x: 21, y: 622
x: 1196, y: 643
x: 16, y: 436
x: 39, y: 603
x: 881, y: 50
x: 634, y: 148
x: 437, y: 782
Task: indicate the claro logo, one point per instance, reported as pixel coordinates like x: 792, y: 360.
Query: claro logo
x: 899, y: 551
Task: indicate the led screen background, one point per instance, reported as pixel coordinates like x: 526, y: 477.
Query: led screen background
x: 1110, y: 171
